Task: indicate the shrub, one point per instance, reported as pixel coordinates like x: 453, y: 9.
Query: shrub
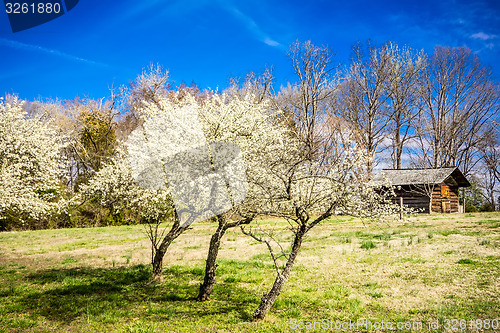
x: 466, y: 261
x: 368, y: 244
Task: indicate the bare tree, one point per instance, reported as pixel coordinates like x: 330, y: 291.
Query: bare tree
x: 402, y: 88
x: 489, y: 184
x: 260, y: 86
x: 458, y: 100
x: 363, y: 96
x: 490, y: 166
x: 491, y: 149
x: 304, y: 103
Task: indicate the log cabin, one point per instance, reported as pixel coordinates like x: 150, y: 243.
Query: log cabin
x: 427, y: 190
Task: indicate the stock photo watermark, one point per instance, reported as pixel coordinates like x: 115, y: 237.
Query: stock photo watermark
x: 204, y: 179
x: 26, y: 14
x: 446, y: 324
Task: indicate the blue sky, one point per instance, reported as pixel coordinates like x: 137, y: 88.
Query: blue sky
x: 100, y: 44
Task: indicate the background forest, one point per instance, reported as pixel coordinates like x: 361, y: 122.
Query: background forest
x: 403, y: 108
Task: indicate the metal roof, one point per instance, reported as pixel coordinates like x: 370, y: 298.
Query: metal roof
x: 420, y: 176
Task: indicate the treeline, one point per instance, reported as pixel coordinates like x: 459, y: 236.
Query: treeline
x: 403, y: 107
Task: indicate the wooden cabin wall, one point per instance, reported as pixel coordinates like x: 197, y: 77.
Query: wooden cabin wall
x: 447, y: 204
x: 437, y: 200
x: 454, y: 199
x: 415, y: 198
x: 412, y: 199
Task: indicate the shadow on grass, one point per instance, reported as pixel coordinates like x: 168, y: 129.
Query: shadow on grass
x: 115, y: 294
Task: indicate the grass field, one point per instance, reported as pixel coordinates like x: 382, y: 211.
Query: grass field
x: 428, y: 269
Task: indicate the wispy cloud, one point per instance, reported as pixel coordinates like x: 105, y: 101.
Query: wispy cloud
x: 36, y: 48
x: 271, y: 42
x: 252, y: 26
x: 482, y: 36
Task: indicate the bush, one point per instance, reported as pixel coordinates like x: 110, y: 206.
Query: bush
x: 486, y: 207
x: 92, y: 214
x: 470, y: 208
x: 466, y: 261
x: 368, y: 244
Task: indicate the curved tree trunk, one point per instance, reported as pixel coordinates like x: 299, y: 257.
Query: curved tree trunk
x: 207, y: 286
x: 209, y: 281
x: 157, y: 261
x: 268, y: 299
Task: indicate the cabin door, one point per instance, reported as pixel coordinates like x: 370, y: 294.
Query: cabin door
x: 445, y: 199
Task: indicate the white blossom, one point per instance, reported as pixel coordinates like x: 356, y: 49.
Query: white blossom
x: 29, y: 163
x: 200, y: 149
x: 115, y: 188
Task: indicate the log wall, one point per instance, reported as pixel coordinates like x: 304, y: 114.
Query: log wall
x: 412, y: 199
x: 447, y: 204
x: 443, y: 200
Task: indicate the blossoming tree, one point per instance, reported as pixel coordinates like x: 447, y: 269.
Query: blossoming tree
x: 29, y: 166
x: 310, y: 173
x: 114, y: 187
x: 224, y: 120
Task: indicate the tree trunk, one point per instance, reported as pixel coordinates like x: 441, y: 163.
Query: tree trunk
x: 157, y: 263
x: 492, y: 198
x: 430, y: 204
x: 268, y: 299
x: 207, y: 286
x: 209, y: 281
x: 371, y: 154
x: 398, y: 149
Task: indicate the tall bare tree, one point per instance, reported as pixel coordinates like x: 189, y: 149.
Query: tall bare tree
x: 363, y: 96
x: 458, y: 100
x: 304, y: 102
x: 402, y: 88
x: 490, y: 166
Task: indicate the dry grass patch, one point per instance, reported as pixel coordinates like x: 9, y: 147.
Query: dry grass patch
x: 424, y: 268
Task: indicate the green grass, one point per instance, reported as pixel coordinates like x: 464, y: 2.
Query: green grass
x: 368, y: 244
x: 426, y: 268
x: 466, y: 261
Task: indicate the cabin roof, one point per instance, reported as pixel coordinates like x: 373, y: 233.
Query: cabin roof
x: 421, y: 177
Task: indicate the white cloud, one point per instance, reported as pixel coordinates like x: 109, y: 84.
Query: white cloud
x: 251, y: 25
x: 271, y: 42
x: 30, y: 47
x: 482, y: 36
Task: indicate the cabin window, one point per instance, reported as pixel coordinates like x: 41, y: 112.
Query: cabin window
x: 445, y: 191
